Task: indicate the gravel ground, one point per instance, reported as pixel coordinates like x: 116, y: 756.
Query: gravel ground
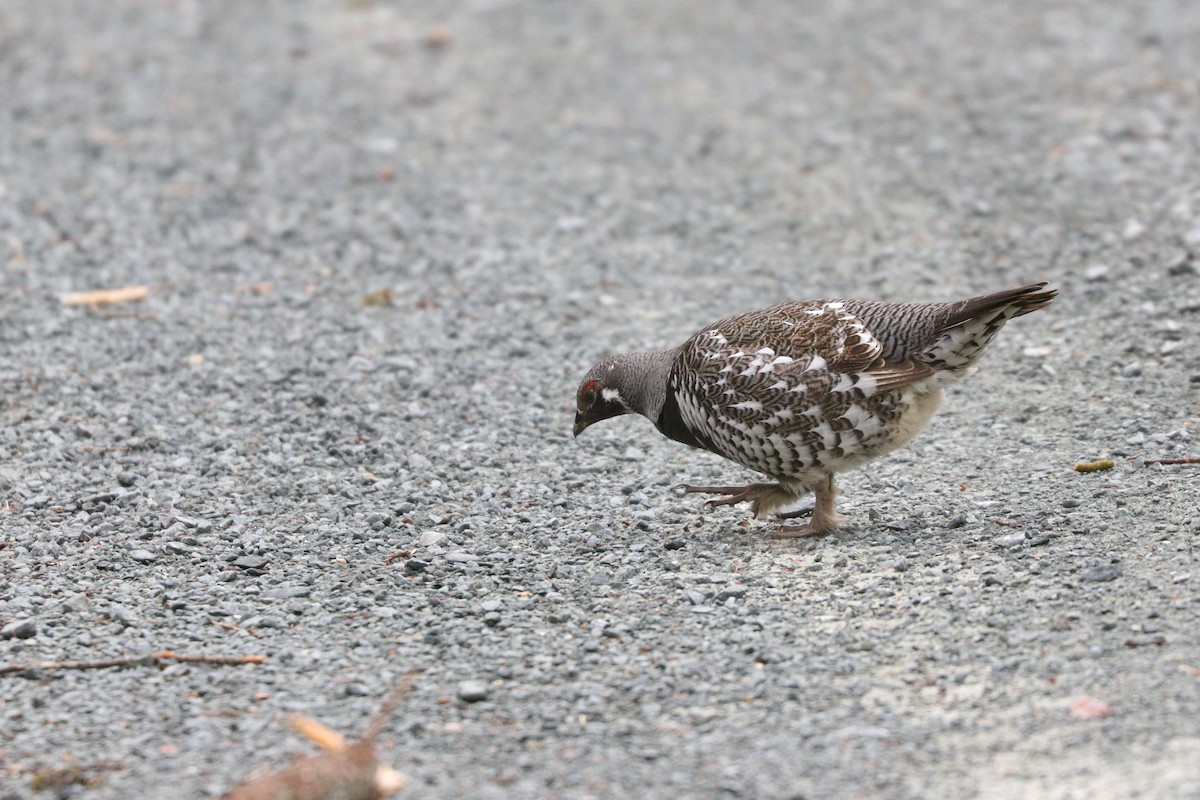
x: 225, y: 467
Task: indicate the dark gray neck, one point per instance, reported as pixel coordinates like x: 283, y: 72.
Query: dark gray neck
x: 644, y: 380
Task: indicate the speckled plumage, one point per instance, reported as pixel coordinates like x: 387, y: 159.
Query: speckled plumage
x: 803, y: 390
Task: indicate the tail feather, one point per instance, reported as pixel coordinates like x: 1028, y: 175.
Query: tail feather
x: 1014, y: 302
x: 972, y: 324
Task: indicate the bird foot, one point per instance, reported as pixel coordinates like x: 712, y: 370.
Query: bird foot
x: 797, y: 532
x: 799, y: 512
x: 734, y: 494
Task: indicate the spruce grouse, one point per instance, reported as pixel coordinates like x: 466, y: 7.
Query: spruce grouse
x: 803, y: 390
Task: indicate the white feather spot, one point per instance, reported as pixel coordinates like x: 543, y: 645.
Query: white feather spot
x: 827, y: 433
x: 845, y: 383
x: 817, y: 363
x: 750, y: 405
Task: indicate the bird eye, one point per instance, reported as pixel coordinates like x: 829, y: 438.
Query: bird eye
x: 587, y: 395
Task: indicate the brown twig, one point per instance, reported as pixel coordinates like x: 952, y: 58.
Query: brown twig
x: 135, y: 661
x: 1189, y: 460
x: 345, y: 771
x: 126, y: 294
x: 1095, y: 466
x: 229, y: 626
x: 394, y: 556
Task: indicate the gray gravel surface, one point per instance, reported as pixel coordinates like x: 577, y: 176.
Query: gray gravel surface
x: 225, y: 467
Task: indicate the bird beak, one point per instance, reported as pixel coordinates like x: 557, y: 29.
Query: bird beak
x: 580, y: 424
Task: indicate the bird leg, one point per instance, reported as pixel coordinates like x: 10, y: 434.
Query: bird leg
x: 763, y: 497
x: 824, y: 517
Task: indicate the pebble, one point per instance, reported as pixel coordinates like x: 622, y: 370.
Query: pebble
x: 122, y: 615
x: 431, y: 538
x: 472, y: 691
x: 459, y: 557
x: 251, y: 562
x: 1101, y: 574
x: 1096, y: 273
x: 1179, y: 262
x: 1009, y: 540
x: 77, y: 603
x: 19, y: 629
x: 142, y: 556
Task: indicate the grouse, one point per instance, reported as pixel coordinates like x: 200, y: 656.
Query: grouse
x: 803, y: 390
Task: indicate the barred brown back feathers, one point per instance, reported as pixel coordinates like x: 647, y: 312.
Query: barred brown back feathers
x: 803, y: 390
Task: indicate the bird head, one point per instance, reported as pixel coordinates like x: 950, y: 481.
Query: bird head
x: 599, y: 395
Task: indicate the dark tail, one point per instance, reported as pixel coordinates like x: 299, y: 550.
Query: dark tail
x: 1011, y: 302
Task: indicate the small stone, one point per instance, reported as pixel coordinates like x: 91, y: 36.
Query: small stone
x: 674, y: 544
x: 957, y: 522
x: 1192, y: 238
x: 1009, y: 540
x: 459, y: 557
x: 1071, y: 503
x: 1101, y: 574
x: 1133, y: 229
x: 1170, y: 347
x: 122, y: 615
x: 632, y: 454
x: 251, y: 562
x: 19, y: 629
x: 1096, y: 273
x: 78, y: 603
x: 472, y: 691
x: 731, y: 591
x: 143, y: 556
x: 415, y: 565
x: 1178, y: 262
x: 430, y: 538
